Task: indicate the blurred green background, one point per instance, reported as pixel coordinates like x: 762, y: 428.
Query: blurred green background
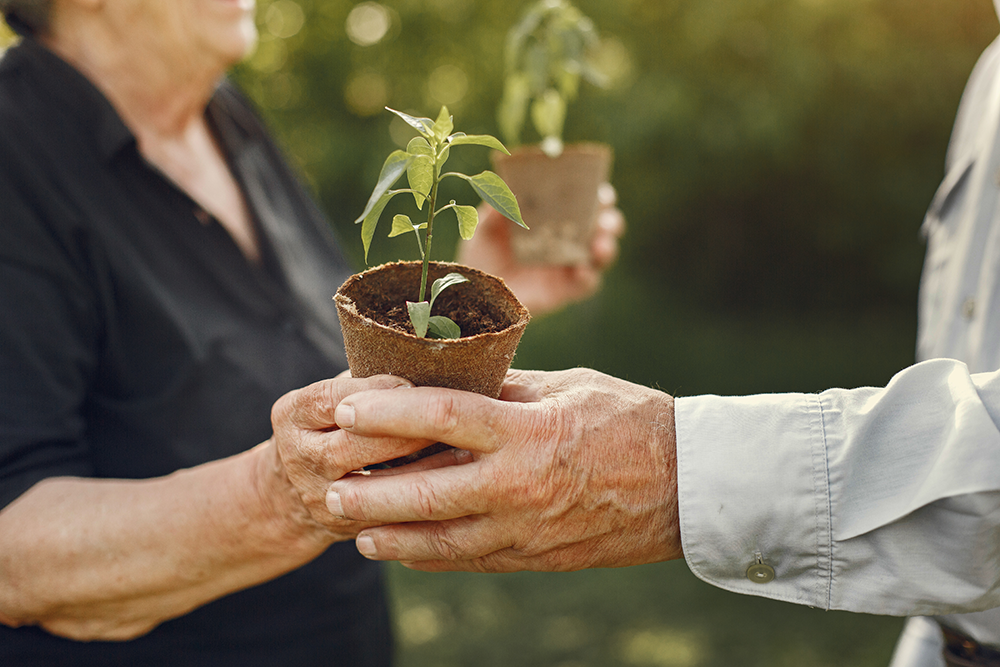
x: 774, y: 159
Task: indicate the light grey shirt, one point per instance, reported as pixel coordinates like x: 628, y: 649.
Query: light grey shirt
x: 877, y: 500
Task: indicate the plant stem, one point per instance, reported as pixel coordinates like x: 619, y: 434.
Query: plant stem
x: 432, y: 201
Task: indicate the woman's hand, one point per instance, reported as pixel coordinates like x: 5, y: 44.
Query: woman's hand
x: 303, y: 422
x: 544, y: 288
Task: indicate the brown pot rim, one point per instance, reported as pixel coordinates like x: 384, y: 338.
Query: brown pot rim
x: 598, y: 147
x: 523, y: 316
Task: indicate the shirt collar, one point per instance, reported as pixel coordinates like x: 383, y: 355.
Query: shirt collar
x: 67, y: 88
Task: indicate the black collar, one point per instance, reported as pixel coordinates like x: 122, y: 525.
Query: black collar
x: 69, y: 89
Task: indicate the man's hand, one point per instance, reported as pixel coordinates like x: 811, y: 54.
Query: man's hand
x: 543, y: 288
x: 568, y: 470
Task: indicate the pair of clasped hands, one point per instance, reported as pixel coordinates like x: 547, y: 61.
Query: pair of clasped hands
x: 566, y: 470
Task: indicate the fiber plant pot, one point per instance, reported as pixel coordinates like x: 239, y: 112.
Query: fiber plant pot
x: 379, y: 338
x: 558, y: 200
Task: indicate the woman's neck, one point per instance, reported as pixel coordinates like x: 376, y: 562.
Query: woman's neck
x: 156, y: 94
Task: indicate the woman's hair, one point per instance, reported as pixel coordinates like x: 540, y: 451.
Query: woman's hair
x: 26, y: 16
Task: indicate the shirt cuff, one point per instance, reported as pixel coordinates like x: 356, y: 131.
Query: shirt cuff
x: 753, y: 489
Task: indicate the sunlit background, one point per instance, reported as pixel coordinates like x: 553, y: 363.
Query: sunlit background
x: 774, y: 159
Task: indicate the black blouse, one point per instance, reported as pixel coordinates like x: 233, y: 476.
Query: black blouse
x: 136, y: 339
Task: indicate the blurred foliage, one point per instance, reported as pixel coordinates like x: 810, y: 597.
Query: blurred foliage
x: 774, y: 159
x: 770, y: 153
x: 649, y: 616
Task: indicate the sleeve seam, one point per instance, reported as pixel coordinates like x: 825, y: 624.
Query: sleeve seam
x: 829, y: 509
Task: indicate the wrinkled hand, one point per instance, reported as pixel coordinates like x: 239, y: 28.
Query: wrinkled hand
x: 568, y: 470
x: 543, y: 288
x: 303, y: 422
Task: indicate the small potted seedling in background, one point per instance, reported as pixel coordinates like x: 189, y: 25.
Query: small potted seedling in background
x: 433, y: 323
x: 546, y: 58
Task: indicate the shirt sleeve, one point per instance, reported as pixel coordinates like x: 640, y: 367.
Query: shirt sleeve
x: 47, y: 341
x: 873, y: 500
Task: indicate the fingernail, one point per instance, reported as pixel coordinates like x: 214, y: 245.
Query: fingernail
x: 606, y: 194
x: 344, y: 416
x: 366, y: 546
x: 333, y: 504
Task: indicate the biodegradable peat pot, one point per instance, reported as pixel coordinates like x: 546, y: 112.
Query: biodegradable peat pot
x: 379, y: 338
x: 558, y: 200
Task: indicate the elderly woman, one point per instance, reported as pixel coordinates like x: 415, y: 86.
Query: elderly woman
x: 164, y: 281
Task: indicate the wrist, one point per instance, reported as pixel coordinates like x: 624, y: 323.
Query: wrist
x: 288, y: 525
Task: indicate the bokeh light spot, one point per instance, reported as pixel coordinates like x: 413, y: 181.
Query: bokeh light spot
x: 366, y: 93
x: 368, y: 23
x: 661, y: 647
x: 447, y: 84
x: 423, y: 623
x: 615, y: 62
x: 270, y: 55
x: 284, y: 18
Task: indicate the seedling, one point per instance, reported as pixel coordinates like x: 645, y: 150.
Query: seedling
x: 422, y: 162
x: 545, y: 58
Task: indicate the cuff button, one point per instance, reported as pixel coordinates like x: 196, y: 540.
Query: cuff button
x: 760, y: 572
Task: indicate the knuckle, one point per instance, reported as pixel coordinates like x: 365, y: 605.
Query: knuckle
x: 425, y: 501
x: 444, y: 414
x: 281, y: 410
x: 444, y: 545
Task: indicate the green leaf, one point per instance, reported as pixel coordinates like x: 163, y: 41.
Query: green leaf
x: 479, y: 140
x: 548, y: 113
x: 392, y: 169
x: 371, y: 221
x: 420, y: 174
x: 513, y: 107
x: 424, y: 126
x: 444, y: 125
x: 419, y: 146
x: 440, y: 326
x: 420, y: 315
x: 441, y: 284
x: 445, y: 154
x: 401, y: 224
x: 468, y: 220
x: 495, y: 192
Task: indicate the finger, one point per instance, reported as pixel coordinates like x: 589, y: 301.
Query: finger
x: 464, y: 539
x: 429, y: 495
x: 604, y: 247
x: 606, y: 194
x: 458, y: 418
x: 494, y: 563
x: 348, y: 451
x: 312, y: 407
x: 449, y: 457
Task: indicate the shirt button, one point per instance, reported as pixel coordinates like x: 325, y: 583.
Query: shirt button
x: 968, y: 308
x: 759, y: 573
